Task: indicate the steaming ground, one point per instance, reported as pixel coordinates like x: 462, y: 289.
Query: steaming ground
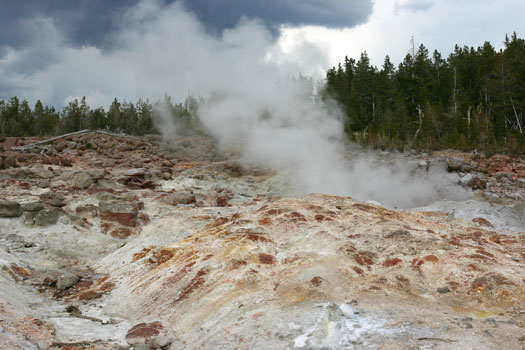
x: 179, y: 247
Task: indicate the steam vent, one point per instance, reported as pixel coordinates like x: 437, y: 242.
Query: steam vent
x: 133, y: 243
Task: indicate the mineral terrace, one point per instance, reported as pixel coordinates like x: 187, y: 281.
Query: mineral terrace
x: 130, y: 243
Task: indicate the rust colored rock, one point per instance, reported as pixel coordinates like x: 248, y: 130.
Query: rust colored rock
x: 483, y: 222
x: 391, y: 262
x: 222, y: 201
x: 431, y: 258
x: 161, y: 256
x: 480, y: 284
x: 88, y: 210
x: 121, y: 232
x: 266, y: 258
x: 265, y: 222
x: 316, y: 281
x: 97, y: 189
x: 21, y: 272
x: 197, y: 281
x: 364, y: 258
x: 90, y: 295
x: 143, y: 332
x: 144, y: 218
x: 357, y: 270
x: 122, y: 212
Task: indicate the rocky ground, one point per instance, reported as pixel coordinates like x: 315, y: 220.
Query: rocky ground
x: 131, y: 243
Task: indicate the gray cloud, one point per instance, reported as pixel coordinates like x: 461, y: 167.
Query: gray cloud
x: 329, y: 13
x: 86, y: 22
x: 91, y: 22
x: 35, y: 32
x: 414, y: 5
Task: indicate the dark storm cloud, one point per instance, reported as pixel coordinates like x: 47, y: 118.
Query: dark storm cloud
x: 330, y: 13
x: 83, y: 22
x: 91, y: 22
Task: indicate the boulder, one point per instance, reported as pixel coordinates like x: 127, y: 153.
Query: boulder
x: 41, y: 173
x: 44, y: 217
x: 66, y: 281
x: 149, y: 334
x: 183, y: 197
x: 124, y: 213
x: 87, y: 211
x: 423, y: 164
x: 81, y: 179
x: 10, y: 209
x: 474, y: 181
x: 455, y: 164
x: 222, y: 201
x: 60, y: 146
x: 9, y: 162
x: 33, y: 207
x: 54, y: 199
x: 97, y: 174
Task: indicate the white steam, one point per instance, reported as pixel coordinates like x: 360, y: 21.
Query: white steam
x: 253, y: 104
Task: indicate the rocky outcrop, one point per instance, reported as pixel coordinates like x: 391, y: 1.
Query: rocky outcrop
x: 175, y: 247
x: 44, y: 217
x: 10, y: 209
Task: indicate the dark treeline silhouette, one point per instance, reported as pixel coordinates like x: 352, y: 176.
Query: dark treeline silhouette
x: 474, y: 99
x: 140, y: 118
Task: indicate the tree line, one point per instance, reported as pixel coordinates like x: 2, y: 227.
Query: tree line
x: 17, y: 118
x: 473, y: 99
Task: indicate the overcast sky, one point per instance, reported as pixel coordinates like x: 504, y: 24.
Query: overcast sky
x: 55, y: 50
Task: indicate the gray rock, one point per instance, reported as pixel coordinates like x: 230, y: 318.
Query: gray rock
x: 97, y: 174
x: 520, y: 209
x: 82, y: 179
x: 46, y: 217
x: 9, y: 162
x: 33, y: 207
x: 161, y: 341
x: 15, y: 173
x: 66, y: 281
x: 443, y: 290
x: 109, y: 163
x: 465, y: 324
x: 140, y: 172
x: 180, y: 198
x: 29, y: 218
x: 106, y: 196
x: 54, y: 199
x: 14, y: 238
x: 455, y: 164
x: 10, y: 209
x: 41, y: 173
x: 423, y: 164
x: 465, y: 180
x: 474, y: 181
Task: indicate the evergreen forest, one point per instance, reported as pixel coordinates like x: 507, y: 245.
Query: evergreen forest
x: 473, y: 99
